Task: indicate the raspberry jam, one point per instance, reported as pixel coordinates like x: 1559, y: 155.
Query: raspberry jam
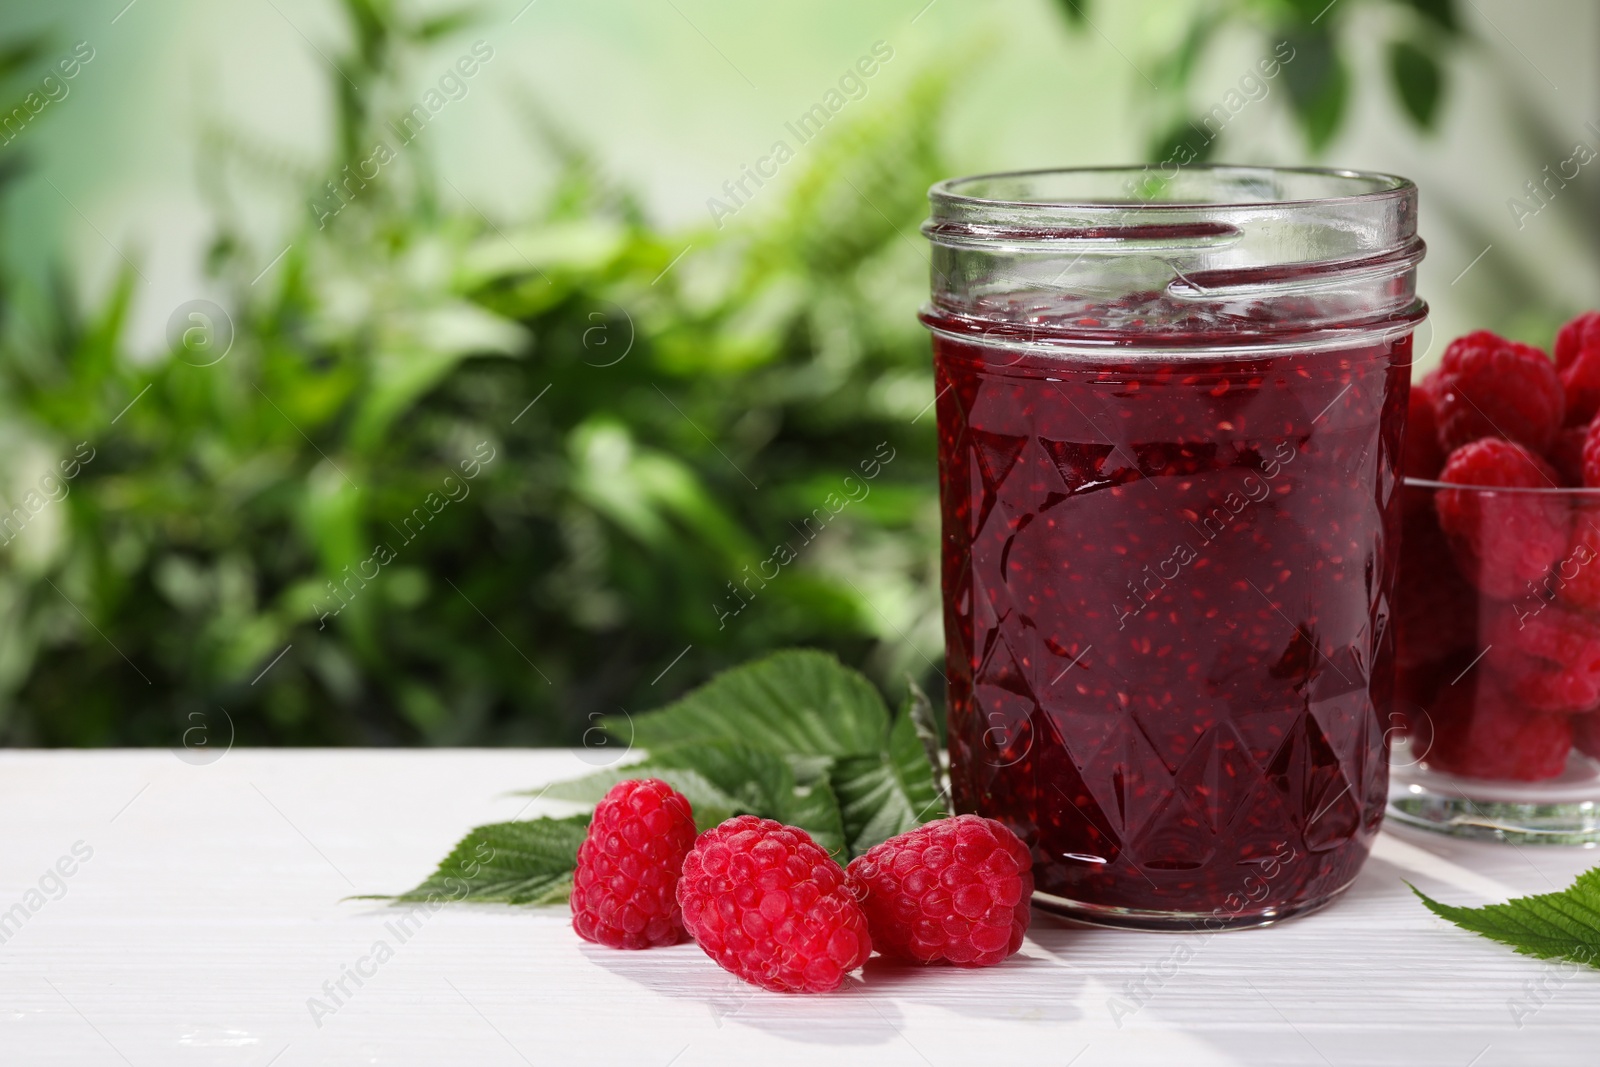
x: 1171, y: 519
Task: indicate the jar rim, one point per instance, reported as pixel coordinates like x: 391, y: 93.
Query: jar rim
x: 1376, y: 187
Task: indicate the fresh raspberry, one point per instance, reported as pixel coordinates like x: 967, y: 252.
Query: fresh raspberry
x: 1543, y: 656
x: 767, y: 903
x: 1586, y: 735
x: 1479, y: 733
x: 1578, y: 363
x: 1491, y: 387
x: 623, y: 892
x: 1575, y: 577
x: 1591, y: 455
x: 1501, y: 541
x: 958, y: 890
x: 1435, y: 610
x: 1415, y: 690
x: 1423, y: 456
x: 1566, y: 454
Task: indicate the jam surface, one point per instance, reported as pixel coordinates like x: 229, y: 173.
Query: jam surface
x: 1166, y: 594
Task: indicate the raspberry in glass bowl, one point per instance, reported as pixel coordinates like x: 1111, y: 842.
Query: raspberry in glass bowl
x: 1497, y: 604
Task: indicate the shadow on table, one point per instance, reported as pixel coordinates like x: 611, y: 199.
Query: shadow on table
x: 865, y: 1010
x: 1034, y: 986
x: 851, y: 1015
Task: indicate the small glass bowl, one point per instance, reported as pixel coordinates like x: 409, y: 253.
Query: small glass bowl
x: 1496, y: 711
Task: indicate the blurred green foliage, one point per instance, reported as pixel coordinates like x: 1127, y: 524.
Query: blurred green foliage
x: 433, y: 478
x: 648, y: 416
x: 1324, y: 36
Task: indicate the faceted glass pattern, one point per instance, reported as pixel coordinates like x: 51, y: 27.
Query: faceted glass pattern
x: 1166, y: 613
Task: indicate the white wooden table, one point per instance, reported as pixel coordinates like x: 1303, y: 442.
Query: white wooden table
x: 209, y: 913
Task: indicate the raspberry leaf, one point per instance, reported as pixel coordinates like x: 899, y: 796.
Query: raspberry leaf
x: 919, y: 710
x: 815, y: 809
x: 525, y: 862
x: 798, y: 702
x: 722, y: 779
x: 1564, y: 925
x: 809, y: 770
x: 890, y: 792
x: 795, y: 736
x: 1418, y: 80
x: 711, y: 804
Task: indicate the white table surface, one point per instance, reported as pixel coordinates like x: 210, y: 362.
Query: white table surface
x: 210, y: 912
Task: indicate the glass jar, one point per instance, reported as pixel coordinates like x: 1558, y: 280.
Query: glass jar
x: 1498, y: 679
x: 1170, y: 411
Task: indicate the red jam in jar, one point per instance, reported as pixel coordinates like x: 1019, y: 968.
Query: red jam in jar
x: 1170, y: 419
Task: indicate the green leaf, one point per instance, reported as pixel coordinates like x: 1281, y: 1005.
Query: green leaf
x: 432, y: 29
x: 1319, y: 84
x: 809, y: 770
x: 722, y: 779
x: 418, y: 350
x: 1076, y: 12
x: 1564, y: 925
x: 856, y: 193
x: 1441, y: 13
x: 796, y: 737
x: 1175, y: 70
x: 1314, y: 11
x: 888, y: 793
x: 1185, y: 143
x: 815, y: 809
x: 798, y: 702
x: 711, y: 805
x: 919, y: 710
x: 527, y: 862
x: 17, y: 54
x: 1418, y: 80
